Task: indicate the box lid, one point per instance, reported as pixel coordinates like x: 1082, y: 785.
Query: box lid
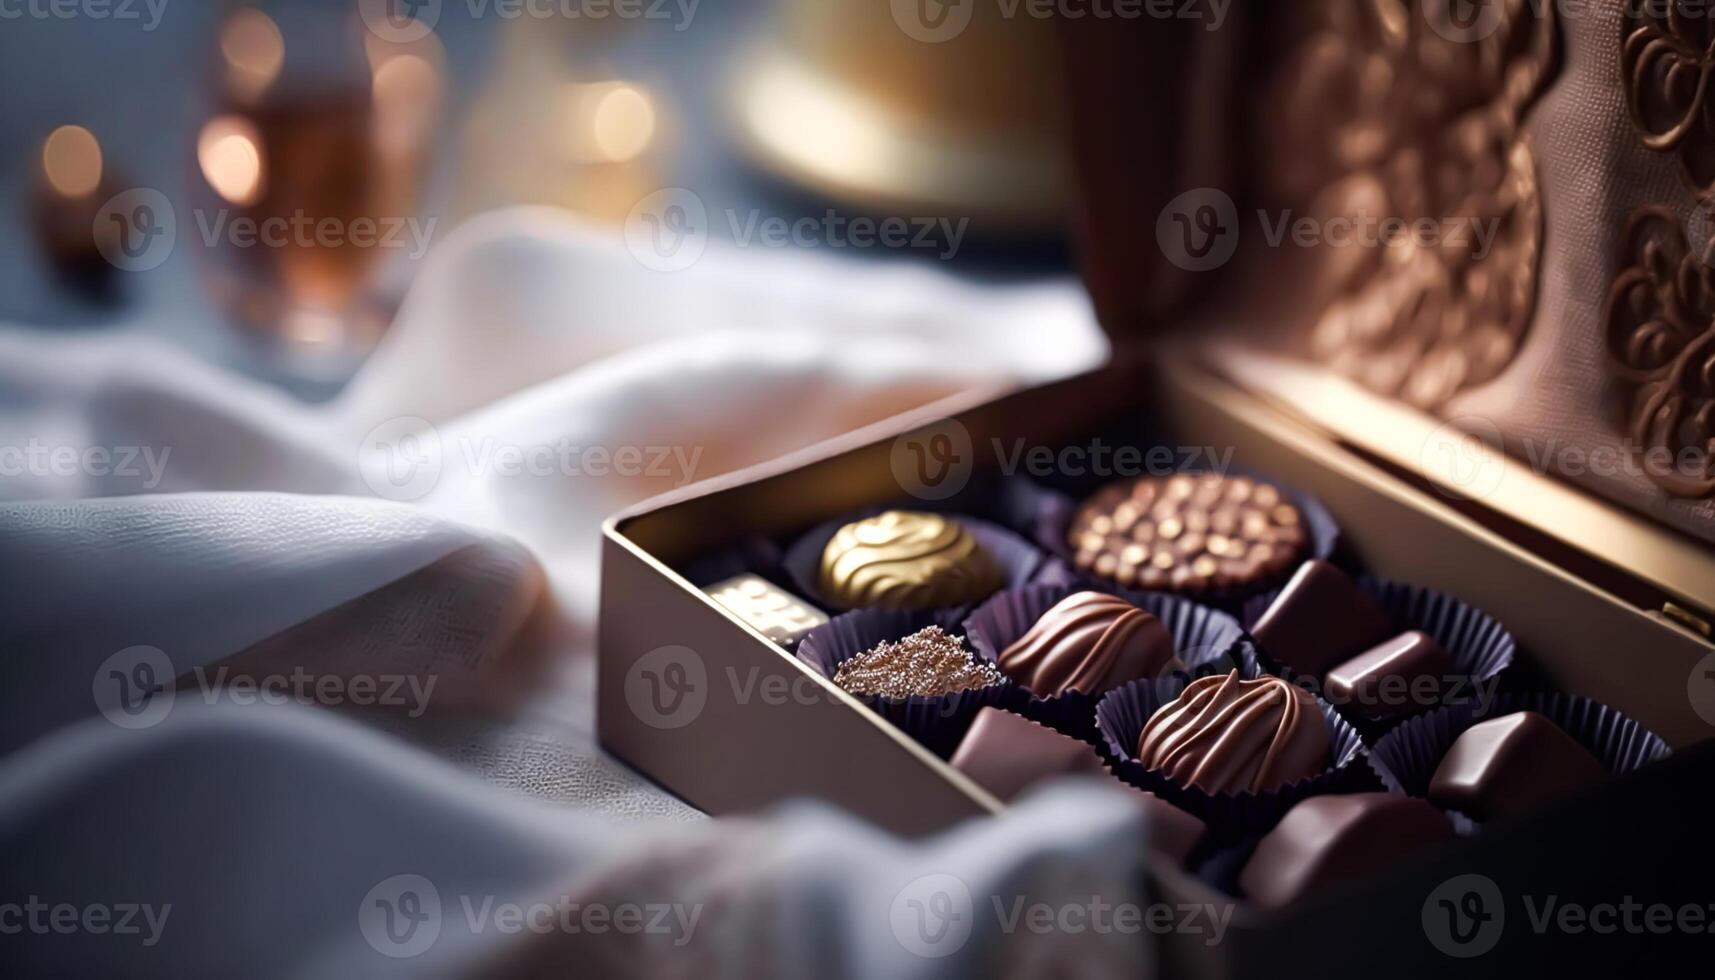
x: 1149, y: 117
x: 1161, y: 112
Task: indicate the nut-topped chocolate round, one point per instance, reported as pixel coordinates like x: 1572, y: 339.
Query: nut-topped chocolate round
x: 1188, y: 533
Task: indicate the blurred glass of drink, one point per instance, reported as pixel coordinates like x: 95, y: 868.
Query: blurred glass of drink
x: 311, y: 174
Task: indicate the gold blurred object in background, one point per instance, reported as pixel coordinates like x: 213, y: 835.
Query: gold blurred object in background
x: 555, y: 125
x: 845, y: 99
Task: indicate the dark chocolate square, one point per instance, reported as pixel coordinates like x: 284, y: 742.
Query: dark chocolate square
x: 1398, y: 676
x: 1511, y: 764
x: 1320, y: 619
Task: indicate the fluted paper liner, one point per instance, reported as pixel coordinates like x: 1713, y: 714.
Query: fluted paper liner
x: 1406, y: 758
x: 1121, y: 715
x: 937, y: 723
x: 1482, y: 648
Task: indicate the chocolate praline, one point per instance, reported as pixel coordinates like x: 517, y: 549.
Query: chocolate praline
x: 906, y: 560
x: 1227, y: 735
x: 1511, y: 764
x: 1188, y: 533
x: 1006, y: 754
x: 1328, y: 839
x: 1089, y: 642
x: 1320, y: 619
x: 1392, y: 677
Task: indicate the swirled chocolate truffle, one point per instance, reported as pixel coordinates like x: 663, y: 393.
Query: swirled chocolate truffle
x: 1188, y: 533
x: 905, y: 560
x: 1226, y: 735
x: 929, y: 663
x: 1089, y: 642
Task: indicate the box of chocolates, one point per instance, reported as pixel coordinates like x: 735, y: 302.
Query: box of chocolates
x: 1392, y: 714
x: 1328, y: 691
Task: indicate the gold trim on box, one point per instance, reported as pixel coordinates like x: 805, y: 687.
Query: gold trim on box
x: 1478, y: 473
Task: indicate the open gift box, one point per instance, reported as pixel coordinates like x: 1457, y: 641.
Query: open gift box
x: 1603, y: 603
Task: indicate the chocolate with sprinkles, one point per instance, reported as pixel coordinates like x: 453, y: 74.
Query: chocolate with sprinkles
x: 928, y: 663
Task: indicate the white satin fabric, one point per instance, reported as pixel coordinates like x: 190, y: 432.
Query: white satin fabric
x: 249, y: 531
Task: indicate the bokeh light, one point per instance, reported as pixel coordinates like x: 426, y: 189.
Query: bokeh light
x: 71, y: 160
x: 254, y: 50
x: 229, y: 151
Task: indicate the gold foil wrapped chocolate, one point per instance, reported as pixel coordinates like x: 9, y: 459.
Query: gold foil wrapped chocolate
x: 769, y: 609
x: 906, y: 560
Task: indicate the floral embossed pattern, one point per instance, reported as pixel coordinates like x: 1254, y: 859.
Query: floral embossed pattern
x: 1660, y: 314
x: 1382, y: 118
x: 1667, y: 58
x: 1660, y: 320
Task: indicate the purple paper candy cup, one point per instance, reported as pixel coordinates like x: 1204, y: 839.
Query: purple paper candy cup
x: 1052, y: 522
x: 1020, y: 561
x: 1481, y: 647
x: 1204, y: 639
x: 1406, y: 758
x: 937, y: 723
x: 1122, y: 714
